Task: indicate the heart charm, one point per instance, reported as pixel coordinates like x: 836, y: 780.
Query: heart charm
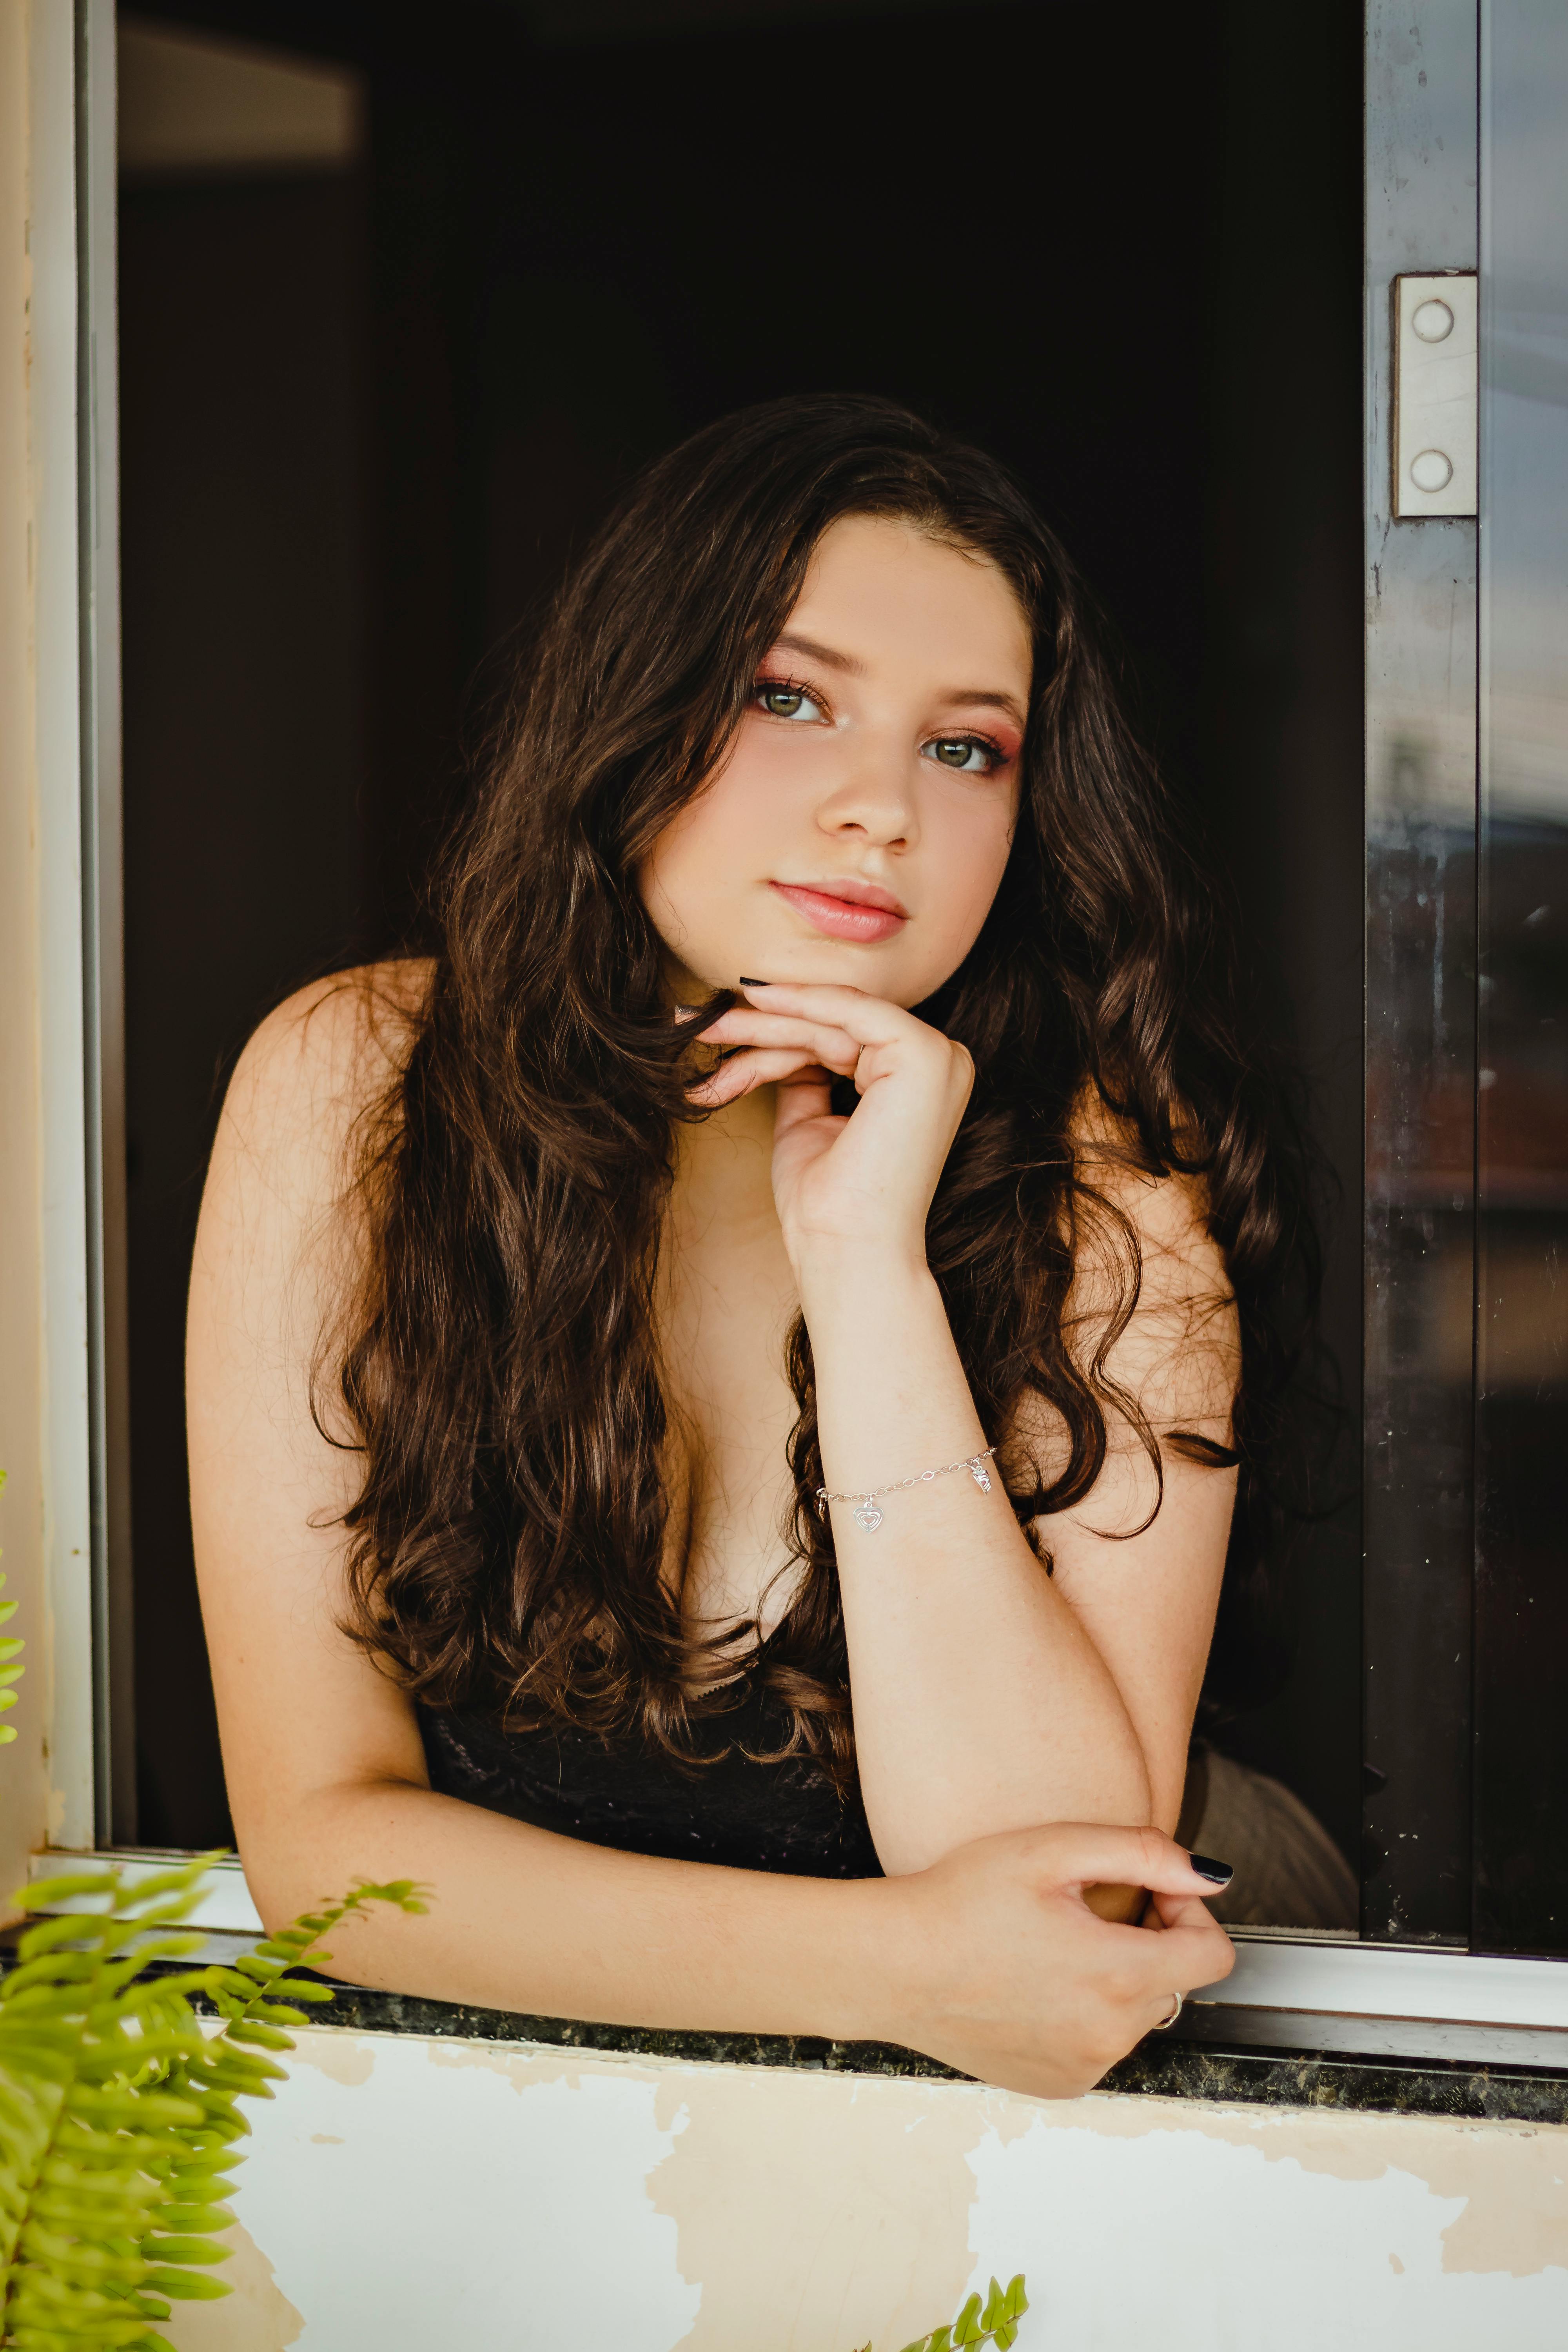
x: 868, y: 1515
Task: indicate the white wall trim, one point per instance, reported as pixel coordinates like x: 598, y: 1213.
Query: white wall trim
x: 1392, y: 1980
x: 53, y: 458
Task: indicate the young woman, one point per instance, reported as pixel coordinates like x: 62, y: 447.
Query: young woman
x: 717, y: 1398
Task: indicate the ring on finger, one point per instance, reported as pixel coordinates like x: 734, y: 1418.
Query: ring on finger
x: 1163, y: 2025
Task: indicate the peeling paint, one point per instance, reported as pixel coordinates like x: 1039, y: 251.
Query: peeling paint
x: 526, y: 2068
x: 413, y: 2190
x: 1515, y: 2214
x: 256, y: 2317
x: 346, y: 2056
x: 828, y: 2207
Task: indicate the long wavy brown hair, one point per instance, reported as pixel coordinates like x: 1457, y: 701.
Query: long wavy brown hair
x: 499, y: 1361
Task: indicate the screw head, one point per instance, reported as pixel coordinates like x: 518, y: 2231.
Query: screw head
x: 1432, y: 320
x: 1431, y: 470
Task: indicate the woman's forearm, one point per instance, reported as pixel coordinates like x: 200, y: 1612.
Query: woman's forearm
x: 522, y: 1920
x: 526, y: 1920
x: 980, y: 1702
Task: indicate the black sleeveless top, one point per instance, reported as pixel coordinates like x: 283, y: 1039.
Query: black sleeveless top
x: 787, y: 1816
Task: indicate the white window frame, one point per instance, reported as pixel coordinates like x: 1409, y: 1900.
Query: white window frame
x: 1287, y: 1991
x: 66, y: 1348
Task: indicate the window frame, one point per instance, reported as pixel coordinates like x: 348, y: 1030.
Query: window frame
x: 1419, y: 1241
x: 66, y: 781
x: 1296, y: 1990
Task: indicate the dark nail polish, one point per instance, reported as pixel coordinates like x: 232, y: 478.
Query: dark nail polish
x: 1219, y: 1873
x: 747, y: 981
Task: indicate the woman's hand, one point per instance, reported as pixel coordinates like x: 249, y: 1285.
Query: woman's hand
x: 866, y: 1182
x: 1004, y: 1972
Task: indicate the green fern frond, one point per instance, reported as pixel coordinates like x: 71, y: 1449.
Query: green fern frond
x: 11, y: 1649
x: 80, y: 2126
x: 119, y: 2110
x: 996, y: 2324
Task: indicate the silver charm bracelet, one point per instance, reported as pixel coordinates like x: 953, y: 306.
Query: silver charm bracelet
x: 869, y: 1516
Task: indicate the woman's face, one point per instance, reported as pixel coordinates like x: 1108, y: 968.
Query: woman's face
x: 857, y: 828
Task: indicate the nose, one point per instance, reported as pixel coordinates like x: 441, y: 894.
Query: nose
x: 873, y: 797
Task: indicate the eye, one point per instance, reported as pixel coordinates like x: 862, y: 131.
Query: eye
x: 781, y: 700
x: 966, y: 754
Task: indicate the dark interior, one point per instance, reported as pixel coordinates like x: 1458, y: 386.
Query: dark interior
x: 368, y: 415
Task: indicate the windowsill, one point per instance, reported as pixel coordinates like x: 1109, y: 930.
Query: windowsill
x: 1162, y: 2066
x: 1315, y: 2019
x: 1194, y: 2061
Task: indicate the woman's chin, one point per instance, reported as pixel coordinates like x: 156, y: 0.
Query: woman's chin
x: 769, y: 951
x: 829, y: 963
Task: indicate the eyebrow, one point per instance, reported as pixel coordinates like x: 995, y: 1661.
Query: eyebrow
x: 831, y: 658
x: 823, y: 654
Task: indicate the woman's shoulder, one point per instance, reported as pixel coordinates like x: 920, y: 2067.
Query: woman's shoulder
x: 1167, y: 1209
x: 1150, y: 1318
x: 1150, y: 1287
x: 318, y: 1067
x: 335, y: 1044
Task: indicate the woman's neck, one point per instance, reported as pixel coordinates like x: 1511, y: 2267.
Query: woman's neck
x: 723, y: 1181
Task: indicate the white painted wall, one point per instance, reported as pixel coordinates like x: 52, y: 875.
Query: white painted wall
x: 405, y: 2192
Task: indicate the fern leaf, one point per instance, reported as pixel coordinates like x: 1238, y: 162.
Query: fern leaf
x: 43, y: 1893
x: 11, y: 1648
x: 119, y: 2127
x: 251, y: 2031
x: 187, y: 1880
x: 996, y: 2324
x: 171, y: 2248
x: 299, y: 1989
x: 188, y: 2286
x: 187, y: 2217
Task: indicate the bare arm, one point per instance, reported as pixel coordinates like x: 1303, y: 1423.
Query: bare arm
x: 325, y: 1766
x: 326, y: 1771
x: 986, y: 1693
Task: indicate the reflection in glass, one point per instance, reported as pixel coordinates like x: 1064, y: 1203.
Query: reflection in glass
x: 1520, y: 1853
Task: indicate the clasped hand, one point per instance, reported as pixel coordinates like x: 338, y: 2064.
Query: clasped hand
x: 865, y: 1182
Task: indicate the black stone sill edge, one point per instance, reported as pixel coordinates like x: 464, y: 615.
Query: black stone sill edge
x: 1161, y: 2067
x: 1158, y: 2068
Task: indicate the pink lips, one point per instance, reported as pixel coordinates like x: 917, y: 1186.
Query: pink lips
x: 848, y: 910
